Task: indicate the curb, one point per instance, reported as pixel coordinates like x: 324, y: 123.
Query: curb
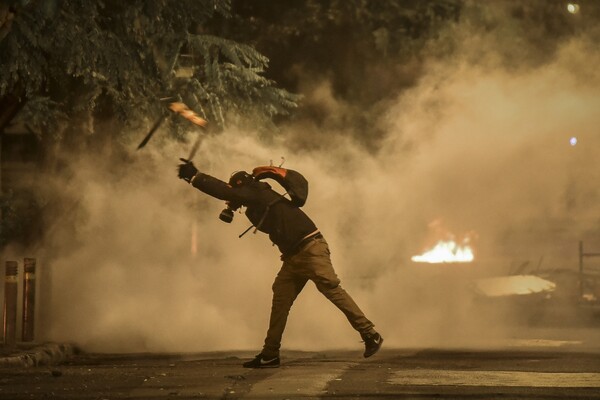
x: 46, y: 354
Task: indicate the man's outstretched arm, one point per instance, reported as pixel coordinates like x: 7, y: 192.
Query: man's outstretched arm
x: 213, y: 186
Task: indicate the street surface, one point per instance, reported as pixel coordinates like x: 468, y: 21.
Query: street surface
x: 524, y: 373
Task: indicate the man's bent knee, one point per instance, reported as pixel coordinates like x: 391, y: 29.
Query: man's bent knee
x: 326, y: 285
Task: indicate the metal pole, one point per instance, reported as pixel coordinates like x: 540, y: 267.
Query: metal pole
x: 10, y: 303
x: 580, y: 269
x: 29, y: 300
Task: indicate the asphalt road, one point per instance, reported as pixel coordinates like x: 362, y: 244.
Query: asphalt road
x: 393, y: 374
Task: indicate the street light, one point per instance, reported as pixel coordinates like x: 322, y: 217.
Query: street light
x: 573, y: 8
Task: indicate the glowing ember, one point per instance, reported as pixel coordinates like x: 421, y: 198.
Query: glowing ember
x: 194, y: 239
x: 446, y: 252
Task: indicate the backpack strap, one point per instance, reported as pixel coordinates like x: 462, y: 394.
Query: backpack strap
x: 264, y: 216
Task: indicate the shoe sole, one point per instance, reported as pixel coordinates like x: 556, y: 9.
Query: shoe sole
x: 261, y: 366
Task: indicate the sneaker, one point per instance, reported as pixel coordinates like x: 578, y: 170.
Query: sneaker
x: 261, y: 361
x: 373, y: 343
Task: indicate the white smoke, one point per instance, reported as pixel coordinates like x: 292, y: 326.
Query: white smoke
x: 483, y: 147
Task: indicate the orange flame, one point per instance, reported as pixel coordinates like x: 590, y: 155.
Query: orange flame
x: 446, y: 248
x: 446, y: 252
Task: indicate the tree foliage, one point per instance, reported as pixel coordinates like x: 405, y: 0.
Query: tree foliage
x: 235, y: 89
x: 87, y: 61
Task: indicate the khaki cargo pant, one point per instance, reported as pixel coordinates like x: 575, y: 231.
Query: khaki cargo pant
x: 311, y: 263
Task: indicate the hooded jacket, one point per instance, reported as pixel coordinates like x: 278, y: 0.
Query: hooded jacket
x: 285, y: 223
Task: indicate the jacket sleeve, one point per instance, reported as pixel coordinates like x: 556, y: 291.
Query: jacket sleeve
x: 221, y: 190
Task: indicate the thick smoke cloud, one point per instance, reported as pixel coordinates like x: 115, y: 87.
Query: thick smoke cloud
x: 480, y: 145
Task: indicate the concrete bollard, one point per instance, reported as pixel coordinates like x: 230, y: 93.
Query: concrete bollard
x: 29, y: 300
x: 10, y: 303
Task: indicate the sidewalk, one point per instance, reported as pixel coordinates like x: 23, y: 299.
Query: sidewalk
x: 25, y: 355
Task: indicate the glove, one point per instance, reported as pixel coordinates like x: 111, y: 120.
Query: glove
x: 187, y: 170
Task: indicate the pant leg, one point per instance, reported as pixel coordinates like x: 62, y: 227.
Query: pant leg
x: 286, y: 288
x: 314, y: 263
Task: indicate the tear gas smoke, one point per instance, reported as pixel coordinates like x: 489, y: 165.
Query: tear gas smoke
x: 481, y: 146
